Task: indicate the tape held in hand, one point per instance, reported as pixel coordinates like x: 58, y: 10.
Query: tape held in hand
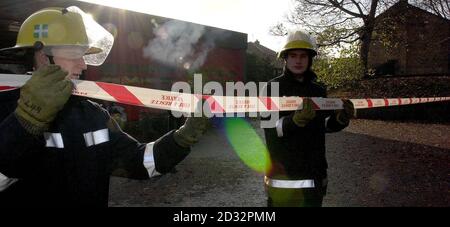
x: 185, y: 102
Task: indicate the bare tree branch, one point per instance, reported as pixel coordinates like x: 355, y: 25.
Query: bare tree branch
x: 438, y: 7
x: 338, y: 21
x: 358, y: 6
x: 278, y: 30
x: 340, y: 6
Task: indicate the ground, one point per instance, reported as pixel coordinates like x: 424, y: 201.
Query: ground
x: 372, y: 163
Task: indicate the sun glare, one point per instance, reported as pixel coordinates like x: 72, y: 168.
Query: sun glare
x: 254, y: 17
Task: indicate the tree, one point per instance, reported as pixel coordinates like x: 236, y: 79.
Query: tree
x: 342, y: 71
x: 336, y: 22
x: 339, y: 22
x: 438, y: 7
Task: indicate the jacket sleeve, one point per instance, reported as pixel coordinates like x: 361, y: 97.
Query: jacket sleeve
x: 168, y: 153
x: 285, y: 125
x: 332, y: 125
x: 15, y: 147
x: 133, y: 159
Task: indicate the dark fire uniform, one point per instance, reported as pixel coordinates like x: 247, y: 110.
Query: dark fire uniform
x: 71, y: 164
x: 298, y: 175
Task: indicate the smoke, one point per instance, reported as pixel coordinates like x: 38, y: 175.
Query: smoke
x: 176, y: 43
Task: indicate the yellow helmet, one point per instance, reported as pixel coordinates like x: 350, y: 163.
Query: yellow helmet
x: 65, y: 28
x: 299, y: 40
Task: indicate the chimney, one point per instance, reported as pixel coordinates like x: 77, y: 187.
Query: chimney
x: 257, y: 42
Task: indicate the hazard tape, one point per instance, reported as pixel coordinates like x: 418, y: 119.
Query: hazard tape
x: 185, y: 102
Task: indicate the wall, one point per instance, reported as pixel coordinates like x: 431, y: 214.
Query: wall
x: 416, y: 41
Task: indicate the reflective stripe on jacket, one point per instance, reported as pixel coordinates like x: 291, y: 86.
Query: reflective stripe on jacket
x: 299, y: 153
x: 71, y: 164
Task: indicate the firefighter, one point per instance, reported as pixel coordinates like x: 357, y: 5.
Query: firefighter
x: 58, y: 149
x: 296, y: 143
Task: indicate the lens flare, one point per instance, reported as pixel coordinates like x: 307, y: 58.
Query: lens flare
x: 247, y: 144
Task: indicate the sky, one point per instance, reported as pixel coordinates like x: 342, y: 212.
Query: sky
x: 254, y: 17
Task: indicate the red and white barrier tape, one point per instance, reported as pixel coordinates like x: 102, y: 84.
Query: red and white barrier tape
x: 184, y: 102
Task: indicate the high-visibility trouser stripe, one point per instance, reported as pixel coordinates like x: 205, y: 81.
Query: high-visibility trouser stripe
x: 307, y: 183
x: 53, y: 140
x: 96, y: 137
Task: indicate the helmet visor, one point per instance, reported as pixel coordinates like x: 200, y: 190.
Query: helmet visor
x: 100, y: 40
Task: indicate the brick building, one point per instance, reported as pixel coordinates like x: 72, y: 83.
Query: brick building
x: 410, y: 41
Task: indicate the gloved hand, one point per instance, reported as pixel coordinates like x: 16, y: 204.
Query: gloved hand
x: 306, y: 114
x: 343, y: 116
x: 189, y: 133
x: 42, y: 97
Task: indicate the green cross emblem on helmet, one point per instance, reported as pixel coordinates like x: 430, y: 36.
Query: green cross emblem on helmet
x: 40, y: 31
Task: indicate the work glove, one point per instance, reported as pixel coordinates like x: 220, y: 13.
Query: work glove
x: 193, y: 128
x: 42, y: 97
x: 306, y: 114
x: 343, y: 116
x: 189, y: 133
